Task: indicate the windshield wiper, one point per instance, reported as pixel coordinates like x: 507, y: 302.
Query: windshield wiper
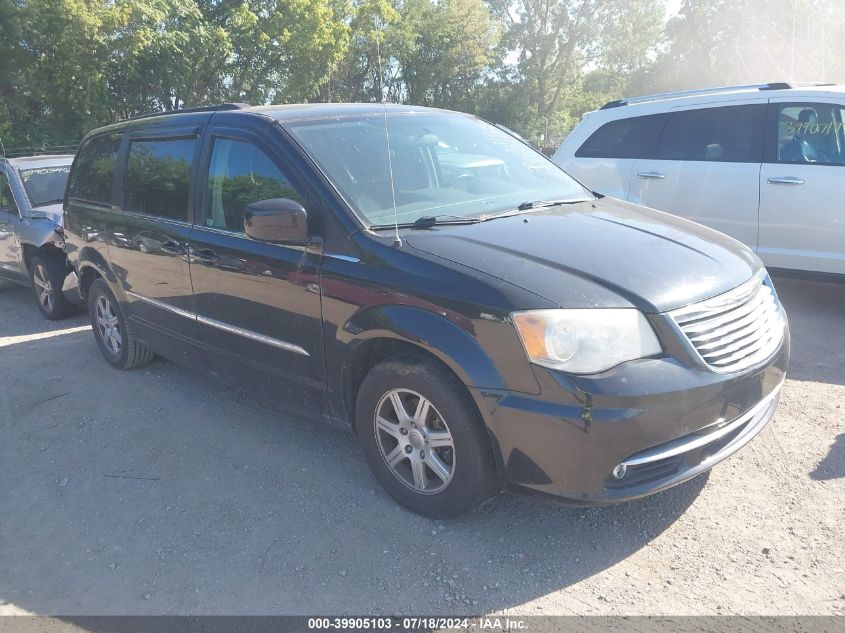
x: 531, y: 205
x: 539, y: 204
x: 427, y: 221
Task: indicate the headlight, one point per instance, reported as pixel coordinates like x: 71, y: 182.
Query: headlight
x: 585, y: 341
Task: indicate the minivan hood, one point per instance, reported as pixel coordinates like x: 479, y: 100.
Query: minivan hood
x: 602, y: 253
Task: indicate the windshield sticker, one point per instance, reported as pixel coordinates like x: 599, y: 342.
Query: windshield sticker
x: 795, y: 128
x: 27, y: 174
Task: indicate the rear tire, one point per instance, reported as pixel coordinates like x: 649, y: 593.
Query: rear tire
x: 114, y: 334
x: 47, y: 274
x: 423, y: 437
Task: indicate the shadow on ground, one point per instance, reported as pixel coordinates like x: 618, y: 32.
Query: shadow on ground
x: 833, y: 465
x: 162, y: 491
x: 20, y: 312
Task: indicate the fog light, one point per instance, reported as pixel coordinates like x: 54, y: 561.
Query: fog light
x: 620, y: 471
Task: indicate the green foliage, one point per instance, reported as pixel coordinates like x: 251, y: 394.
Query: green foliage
x: 442, y: 49
x: 532, y: 65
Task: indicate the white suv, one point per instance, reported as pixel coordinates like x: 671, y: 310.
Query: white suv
x: 764, y: 164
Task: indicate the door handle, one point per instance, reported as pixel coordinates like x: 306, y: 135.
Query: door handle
x: 174, y: 248
x: 204, y: 256
x: 786, y: 180
x: 655, y: 175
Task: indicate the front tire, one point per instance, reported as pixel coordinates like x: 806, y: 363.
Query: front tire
x: 423, y: 438
x: 114, y: 334
x: 47, y: 274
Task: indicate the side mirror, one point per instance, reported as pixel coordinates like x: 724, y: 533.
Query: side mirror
x: 277, y: 220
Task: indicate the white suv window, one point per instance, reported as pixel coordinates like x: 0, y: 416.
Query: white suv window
x: 811, y: 133
x: 634, y: 137
x: 730, y: 134
x: 727, y: 134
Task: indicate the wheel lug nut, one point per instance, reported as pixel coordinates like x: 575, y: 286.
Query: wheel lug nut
x: 422, y: 454
x: 408, y: 448
x: 403, y: 431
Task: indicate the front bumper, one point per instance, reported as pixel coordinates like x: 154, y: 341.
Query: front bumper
x: 665, y: 420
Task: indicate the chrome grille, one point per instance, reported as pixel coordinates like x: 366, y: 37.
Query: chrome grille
x: 735, y: 330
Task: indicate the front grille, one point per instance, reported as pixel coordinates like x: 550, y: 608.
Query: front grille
x: 735, y: 330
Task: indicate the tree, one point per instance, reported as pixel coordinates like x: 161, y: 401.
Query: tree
x: 362, y: 73
x: 12, y: 68
x: 163, y: 54
x: 283, y: 50
x: 442, y: 50
x: 558, y: 41
x: 64, y: 86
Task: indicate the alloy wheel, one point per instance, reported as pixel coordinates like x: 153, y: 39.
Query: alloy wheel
x: 414, y: 441
x: 109, y: 326
x: 43, y: 287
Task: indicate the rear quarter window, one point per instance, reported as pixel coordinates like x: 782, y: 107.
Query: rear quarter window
x: 93, y: 174
x: 634, y: 137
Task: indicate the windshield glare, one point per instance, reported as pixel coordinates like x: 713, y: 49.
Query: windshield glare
x: 45, y: 185
x: 442, y: 164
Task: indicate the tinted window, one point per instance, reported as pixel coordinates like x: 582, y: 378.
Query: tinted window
x: 240, y: 174
x: 45, y: 185
x: 157, y: 177
x: 811, y: 133
x: 7, y: 202
x: 636, y: 137
x: 94, y: 170
x: 728, y: 134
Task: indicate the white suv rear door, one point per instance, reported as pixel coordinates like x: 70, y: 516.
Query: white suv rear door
x: 802, y: 182
x: 707, y: 168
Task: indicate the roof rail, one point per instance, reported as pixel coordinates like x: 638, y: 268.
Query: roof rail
x: 698, y: 91
x: 32, y: 152
x: 209, y: 108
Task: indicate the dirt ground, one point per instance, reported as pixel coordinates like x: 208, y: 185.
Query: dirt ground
x: 160, y: 491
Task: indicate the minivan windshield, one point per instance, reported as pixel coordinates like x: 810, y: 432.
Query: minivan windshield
x: 45, y: 185
x: 443, y: 164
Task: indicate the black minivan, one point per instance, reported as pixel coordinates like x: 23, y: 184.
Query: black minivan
x: 480, y: 318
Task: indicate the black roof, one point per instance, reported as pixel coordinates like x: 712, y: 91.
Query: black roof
x: 288, y: 112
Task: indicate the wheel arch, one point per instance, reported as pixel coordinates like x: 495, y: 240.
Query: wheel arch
x: 49, y: 250
x: 92, y: 265
x: 389, y: 331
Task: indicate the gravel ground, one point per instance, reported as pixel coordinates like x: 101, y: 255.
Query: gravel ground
x: 160, y: 491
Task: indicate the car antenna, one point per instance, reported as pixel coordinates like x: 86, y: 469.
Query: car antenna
x: 397, y: 240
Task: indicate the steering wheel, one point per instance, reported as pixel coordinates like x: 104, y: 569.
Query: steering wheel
x: 460, y: 177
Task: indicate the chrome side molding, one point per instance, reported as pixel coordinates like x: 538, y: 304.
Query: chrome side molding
x: 255, y: 336
x: 161, y: 304
x: 226, y: 327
